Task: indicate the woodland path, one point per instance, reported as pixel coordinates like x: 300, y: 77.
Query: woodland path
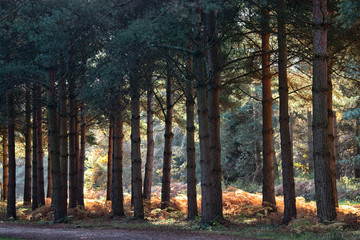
x: 56, y: 232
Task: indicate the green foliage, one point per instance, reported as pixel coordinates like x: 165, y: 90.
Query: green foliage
x: 241, y: 137
x: 352, y: 114
x: 349, y: 13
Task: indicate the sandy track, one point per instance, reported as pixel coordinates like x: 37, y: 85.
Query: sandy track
x: 56, y: 233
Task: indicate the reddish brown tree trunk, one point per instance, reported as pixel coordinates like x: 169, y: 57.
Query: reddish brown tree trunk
x: 268, y: 152
x: 190, y: 142
x: 117, y: 195
x: 214, y: 115
x: 324, y: 191
x: 82, y: 153
x: 135, y: 149
x: 150, y: 140
x: 165, y: 189
x: 5, y: 164
x: 27, y: 183
x: 286, y: 143
x: 11, y: 197
x: 110, y: 159
x: 40, y: 150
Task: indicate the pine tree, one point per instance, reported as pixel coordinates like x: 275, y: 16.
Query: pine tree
x: 325, y: 201
x: 286, y: 143
x: 11, y: 197
x: 268, y: 152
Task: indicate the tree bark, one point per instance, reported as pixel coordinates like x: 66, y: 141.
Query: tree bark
x: 49, y: 191
x: 117, y: 195
x: 357, y: 132
x: 268, y: 151
x: 324, y: 192
x: 40, y: 150
x: 63, y: 135
x: 11, y: 197
x: 214, y: 114
x: 150, y: 140
x: 286, y: 143
x: 77, y: 149
x: 165, y: 189
x: 331, y: 130
x: 82, y: 152
x: 5, y: 146
x: 110, y: 159
x: 35, y: 203
x: 135, y: 149
x: 336, y: 146
x: 73, y: 170
x: 310, y: 143
x: 58, y: 196
x: 201, y: 90
x: 190, y: 142
x: 27, y: 182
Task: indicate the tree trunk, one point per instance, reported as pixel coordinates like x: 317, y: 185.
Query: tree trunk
x: 310, y: 143
x: 135, y: 149
x: 190, y: 142
x: 49, y: 191
x: 214, y: 115
x: 58, y: 196
x: 40, y: 150
x: 150, y: 140
x: 291, y: 129
x: 73, y: 170
x: 77, y: 149
x: 357, y: 133
x: 331, y: 129
x: 35, y: 203
x: 206, y: 210
x: 336, y: 150
x: 110, y: 159
x: 165, y: 189
x: 268, y: 152
x: 11, y: 197
x: 117, y: 195
x: 63, y: 134
x: 201, y: 90
x: 324, y: 192
x: 5, y: 145
x: 82, y: 153
x: 286, y: 143
x: 27, y: 182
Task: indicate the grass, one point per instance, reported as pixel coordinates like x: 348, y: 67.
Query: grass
x: 344, y: 202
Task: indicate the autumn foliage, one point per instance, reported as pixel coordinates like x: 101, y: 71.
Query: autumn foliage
x: 239, y: 207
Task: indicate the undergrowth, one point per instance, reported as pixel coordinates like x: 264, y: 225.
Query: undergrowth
x: 243, y: 211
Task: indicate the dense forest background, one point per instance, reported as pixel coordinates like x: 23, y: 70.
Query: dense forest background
x: 119, y: 98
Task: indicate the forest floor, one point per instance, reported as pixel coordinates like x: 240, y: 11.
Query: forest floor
x: 61, y: 231
x: 244, y: 214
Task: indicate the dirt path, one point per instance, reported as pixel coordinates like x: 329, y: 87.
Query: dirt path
x: 39, y: 233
